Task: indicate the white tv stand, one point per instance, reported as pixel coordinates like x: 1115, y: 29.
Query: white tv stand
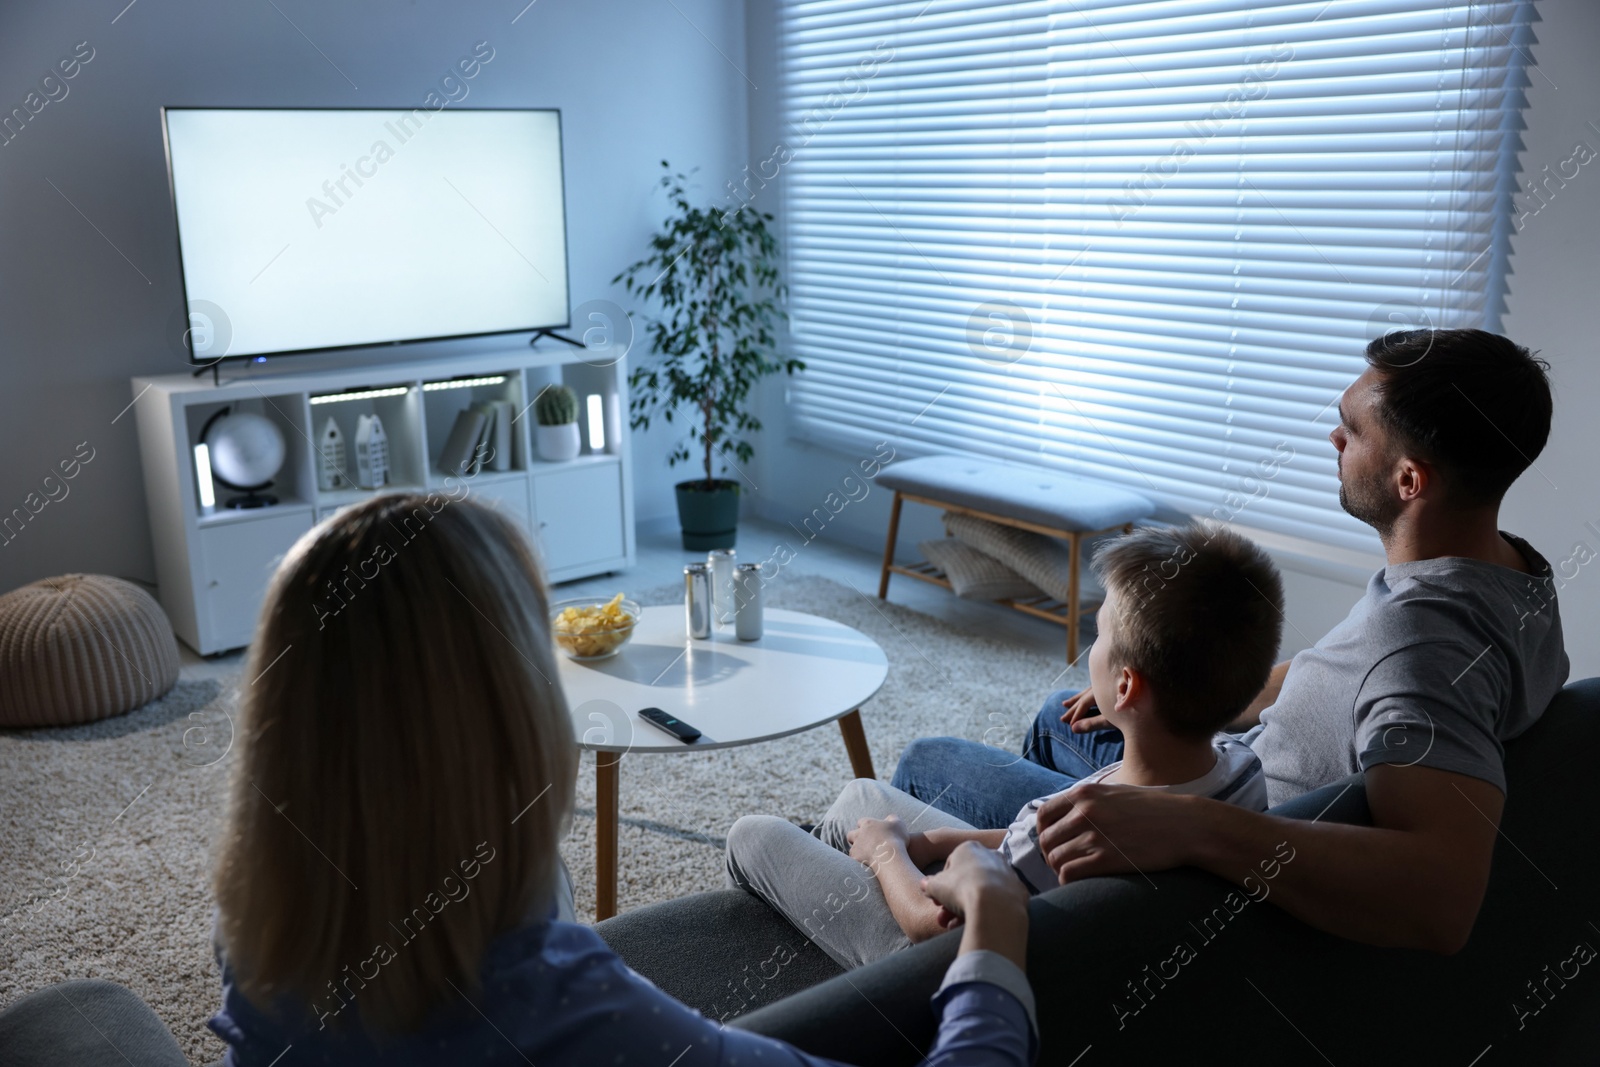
x: 212, y: 564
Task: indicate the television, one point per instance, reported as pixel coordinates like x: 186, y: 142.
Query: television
x: 315, y: 229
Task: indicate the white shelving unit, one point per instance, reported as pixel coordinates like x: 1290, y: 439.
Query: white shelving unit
x: 212, y: 564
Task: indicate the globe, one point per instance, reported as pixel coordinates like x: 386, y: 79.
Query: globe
x: 247, y: 449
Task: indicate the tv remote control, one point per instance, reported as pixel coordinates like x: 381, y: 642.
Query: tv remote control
x: 674, y: 726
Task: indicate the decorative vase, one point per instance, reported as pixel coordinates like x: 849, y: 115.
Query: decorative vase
x: 709, y: 517
x: 557, y: 444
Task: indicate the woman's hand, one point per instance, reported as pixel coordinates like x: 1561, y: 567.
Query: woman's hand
x: 1083, y: 714
x: 978, y: 888
x: 871, y: 836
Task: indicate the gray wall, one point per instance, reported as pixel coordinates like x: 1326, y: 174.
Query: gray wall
x: 82, y: 311
x: 1551, y: 308
x: 1555, y: 264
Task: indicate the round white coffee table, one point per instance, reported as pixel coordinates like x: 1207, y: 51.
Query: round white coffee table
x: 805, y: 671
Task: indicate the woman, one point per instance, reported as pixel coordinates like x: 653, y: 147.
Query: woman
x: 389, y: 888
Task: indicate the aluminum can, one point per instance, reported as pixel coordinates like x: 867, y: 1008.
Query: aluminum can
x: 697, y: 599
x: 747, y: 601
x: 721, y: 561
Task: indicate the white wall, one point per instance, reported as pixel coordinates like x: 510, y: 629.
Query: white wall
x: 1552, y: 308
x: 87, y: 298
x: 1555, y: 264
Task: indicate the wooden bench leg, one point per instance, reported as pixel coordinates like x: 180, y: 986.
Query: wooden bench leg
x: 1074, y: 619
x: 888, y: 549
x: 855, y: 743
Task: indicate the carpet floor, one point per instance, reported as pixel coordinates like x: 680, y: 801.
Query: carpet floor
x: 109, y: 827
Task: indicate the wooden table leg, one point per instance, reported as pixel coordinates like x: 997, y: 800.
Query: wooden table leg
x: 605, y: 834
x: 855, y: 743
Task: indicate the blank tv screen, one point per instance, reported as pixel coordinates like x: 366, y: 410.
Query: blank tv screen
x: 314, y: 229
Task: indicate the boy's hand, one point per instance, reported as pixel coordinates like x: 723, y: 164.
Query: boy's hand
x: 923, y: 850
x: 869, y: 838
x: 1082, y: 713
x: 932, y: 847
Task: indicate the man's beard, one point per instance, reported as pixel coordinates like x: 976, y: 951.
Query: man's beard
x: 1369, y: 502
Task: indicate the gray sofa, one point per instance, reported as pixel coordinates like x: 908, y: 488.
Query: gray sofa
x: 1260, y: 986
x: 1256, y: 986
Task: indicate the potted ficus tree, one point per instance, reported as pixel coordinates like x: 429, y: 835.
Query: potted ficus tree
x: 715, y: 277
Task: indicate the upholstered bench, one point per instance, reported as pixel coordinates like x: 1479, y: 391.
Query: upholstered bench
x: 1026, y: 498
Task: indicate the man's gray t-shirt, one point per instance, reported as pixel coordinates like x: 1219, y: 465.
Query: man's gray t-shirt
x: 1437, y: 665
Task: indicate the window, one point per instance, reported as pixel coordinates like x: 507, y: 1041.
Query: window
x: 1142, y: 242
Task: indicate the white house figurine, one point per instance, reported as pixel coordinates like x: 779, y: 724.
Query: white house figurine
x: 372, y: 453
x: 331, y: 458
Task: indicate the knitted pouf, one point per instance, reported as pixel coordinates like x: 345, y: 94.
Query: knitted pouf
x: 81, y: 647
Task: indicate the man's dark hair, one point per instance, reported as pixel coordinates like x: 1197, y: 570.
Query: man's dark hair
x: 1200, y: 616
x: 1470, y: 402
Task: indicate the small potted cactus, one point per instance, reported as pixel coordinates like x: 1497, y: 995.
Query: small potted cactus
x: 556, y: 436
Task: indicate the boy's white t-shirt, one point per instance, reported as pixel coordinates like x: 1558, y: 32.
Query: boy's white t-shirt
x: 1236, y: 779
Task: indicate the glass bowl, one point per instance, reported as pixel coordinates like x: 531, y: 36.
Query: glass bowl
x: 595, y: 644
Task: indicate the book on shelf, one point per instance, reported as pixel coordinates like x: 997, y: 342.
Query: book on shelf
x: 501, y: 461
x: 461, y: 448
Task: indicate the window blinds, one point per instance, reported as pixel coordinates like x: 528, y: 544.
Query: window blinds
x: 1143, y: 242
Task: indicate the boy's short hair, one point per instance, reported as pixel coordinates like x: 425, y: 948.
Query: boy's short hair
x: 1200, y: 616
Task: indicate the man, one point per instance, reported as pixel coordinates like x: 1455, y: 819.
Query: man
x: 1455, y: 649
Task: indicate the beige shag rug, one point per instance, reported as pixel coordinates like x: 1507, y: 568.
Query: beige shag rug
x: 108, y: 827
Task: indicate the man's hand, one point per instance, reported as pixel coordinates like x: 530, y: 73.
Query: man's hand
x: 869, y: 838
x: 1094, y: 829
x: 1414, y: 879
x: 1083, y: 714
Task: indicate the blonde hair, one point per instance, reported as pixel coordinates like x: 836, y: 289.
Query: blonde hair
x: 403, y: 738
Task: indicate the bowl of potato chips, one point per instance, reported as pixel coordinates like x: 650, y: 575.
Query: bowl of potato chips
x: 586, y: 630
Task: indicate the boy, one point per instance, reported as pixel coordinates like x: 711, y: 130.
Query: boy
x: 1185, y: 639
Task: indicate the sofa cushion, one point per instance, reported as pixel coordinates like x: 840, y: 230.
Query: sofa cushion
x: 722, y: 953
x: 87, y: 1022
x: 1048, y: 498
x: 973, y: 574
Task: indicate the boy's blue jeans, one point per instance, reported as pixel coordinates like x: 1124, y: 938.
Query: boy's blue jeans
x: 986, y: 786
